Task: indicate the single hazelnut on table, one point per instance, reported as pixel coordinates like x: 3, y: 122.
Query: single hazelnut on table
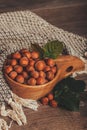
x: 25, y: 74
x: 44, y: 100
x: 13, y: 74
x: 18, y: 68
x: 50, y: 75
x: 24, y: 61
x: 40, y: 65
x: 35, y: 74
x: 40, y: 81
x: 29, y: 68
x: 16, y: 55
x: 53, y: 103
x: 13, y: 62
x: 20, y: 79
x: 50, y: 62
x: 34, y: 55
x: 31, y: 81
x: 27, y: 54
x: 42, y: 74
x: 8, y: 69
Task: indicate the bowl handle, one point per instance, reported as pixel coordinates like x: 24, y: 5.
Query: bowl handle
x: 67, y: 65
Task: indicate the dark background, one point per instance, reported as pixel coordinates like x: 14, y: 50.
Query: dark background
x: 70, y: 15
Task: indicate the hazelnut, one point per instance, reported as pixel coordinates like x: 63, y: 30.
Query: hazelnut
x: 35, y: 74
x: 50, y: 75
x: 53, y: 103
x: 50, y: 96
x: 13, y: 62
x: 50, y: 62
x: 31, y: 62
x: 27, y: 54
x: 25, y: 74
x: 24, y: 61
x: 35, y: 55
x: 42, y: 74
x: 44, y: 101
x: 54, y: 69
x: 47, y: 68
x: 29, y: 68
x: 40, y: 81
x: 20, y: 79
x: 13, y: 74
x: 8, y: 69
x: 18, y: 68
x: 32, y: 81
x: 16, y: 55
x: 40, y: 65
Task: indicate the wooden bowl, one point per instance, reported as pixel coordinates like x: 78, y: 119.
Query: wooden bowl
x: 66, y: 65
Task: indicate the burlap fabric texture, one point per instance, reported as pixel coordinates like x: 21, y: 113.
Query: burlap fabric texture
x: 18, y: 30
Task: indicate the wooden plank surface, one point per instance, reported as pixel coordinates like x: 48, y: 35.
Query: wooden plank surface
x: 72, y: 16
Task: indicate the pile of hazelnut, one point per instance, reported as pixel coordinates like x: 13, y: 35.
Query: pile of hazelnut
x: 26, y: 67
x: 49, y: 100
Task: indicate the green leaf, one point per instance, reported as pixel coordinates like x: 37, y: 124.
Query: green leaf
x: 67, y: 93
x: 52, y: 49
x: 36, y: 47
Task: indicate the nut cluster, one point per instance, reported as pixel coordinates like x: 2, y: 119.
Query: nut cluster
x: 27, y: 68
x: 49, y: 100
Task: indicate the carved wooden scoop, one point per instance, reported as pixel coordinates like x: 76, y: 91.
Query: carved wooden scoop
x: 66, y: 65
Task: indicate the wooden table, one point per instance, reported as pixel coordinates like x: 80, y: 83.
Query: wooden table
x: 71, y: 16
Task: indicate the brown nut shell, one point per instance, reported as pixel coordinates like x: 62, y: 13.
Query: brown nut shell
x: 13, y: 74
x: 50, y: 62
x: 40, y: 81
x: 35, y: 55
x: 40, y: 65
x: 35, y: 74
x: 31, y: 81
x: 50, y: 75
x: 18, y: 68
x: 20, y: 79
x: 13, y: 62
x: 8, y: 69
x: 24, y: 61
x: 16, y: 55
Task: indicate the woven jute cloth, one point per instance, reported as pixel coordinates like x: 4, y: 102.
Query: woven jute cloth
x: 18, y: 30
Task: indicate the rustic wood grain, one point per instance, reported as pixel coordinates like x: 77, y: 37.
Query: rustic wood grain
x: 71, y: 15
